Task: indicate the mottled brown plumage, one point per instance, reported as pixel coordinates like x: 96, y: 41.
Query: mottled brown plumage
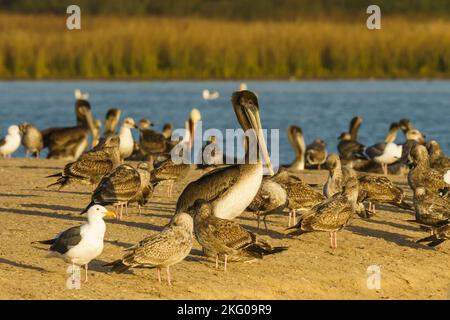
x: 31, y: 139
x: 422, y: 175
x: 92, y: 165
x: 316, y: 153
x: 221, y: 237
x: 332, y: 214
x: 335, y: 179
x: 438, y: 160
x: 160, y: 250
x: 431, y: 209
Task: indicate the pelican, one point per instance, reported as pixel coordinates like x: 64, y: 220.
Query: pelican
x: 150, y: 141
x: 387, y: 152
x: 70, y: 142
x: 111, y: 120
x: 297, y: 141
x: 231, y: 189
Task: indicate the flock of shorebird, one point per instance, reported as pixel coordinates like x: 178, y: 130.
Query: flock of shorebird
x: 206, y: 208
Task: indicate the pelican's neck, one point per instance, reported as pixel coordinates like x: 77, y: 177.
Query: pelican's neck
x: 391, y: 136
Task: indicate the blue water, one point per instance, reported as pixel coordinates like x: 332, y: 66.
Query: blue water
x: 322, y: 108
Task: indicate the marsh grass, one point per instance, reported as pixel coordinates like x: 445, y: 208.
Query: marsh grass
x: 40, y: 47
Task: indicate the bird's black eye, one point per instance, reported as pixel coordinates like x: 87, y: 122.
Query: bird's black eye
x: 98, y: 209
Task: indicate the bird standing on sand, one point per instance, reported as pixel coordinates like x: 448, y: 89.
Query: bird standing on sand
x: 349, y: 148
x: 232, y: 189
x: 150, y: 141
x: 225, y: 238
x: 80, y: 245
x: 333, y: 214
x: 118, y: 188
x: 438, y: 160
x: 161, y: 250
x: 422, y: 175
x: 92, y: 165
x: 316, y: 153
x: 31, y: 140
x: 271, y: 197
x: 10, y: 143
x: 431, y: 209
x: 126, y: 138
x: 387, y: 152
x: 146, y: 188
x: 335, y: 179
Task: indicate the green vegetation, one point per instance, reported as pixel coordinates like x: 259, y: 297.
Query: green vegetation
x: 40, y: 47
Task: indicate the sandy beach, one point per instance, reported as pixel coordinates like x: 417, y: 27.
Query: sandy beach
x: 309, y: 269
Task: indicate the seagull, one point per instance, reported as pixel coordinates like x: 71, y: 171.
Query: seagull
x: 226, y: 238
x: 210, y: 95
x: 333, y: 214
x: 10, y: 143
x: 31, y: 140
x: 335, y: 179
x: 80, y: 245
x: 92, y: 165
x: 431, y: 209
x: 316, y: 153
x: 126, y: 138
x: 161, y: 250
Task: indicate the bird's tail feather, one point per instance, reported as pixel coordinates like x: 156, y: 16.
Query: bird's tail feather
x: 117, y: 266
x: 51, y: 241
x: 59, y: 174
x: 62, y: 182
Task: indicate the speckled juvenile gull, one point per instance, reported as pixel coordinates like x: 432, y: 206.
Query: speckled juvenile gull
x: 161, y: 250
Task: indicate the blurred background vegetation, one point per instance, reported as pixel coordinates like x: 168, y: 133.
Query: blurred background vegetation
x: 224, y: 39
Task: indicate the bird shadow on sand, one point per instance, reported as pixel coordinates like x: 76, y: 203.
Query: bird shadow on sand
x: 394, y: 209
x: 51, y: 207
x: 118, y: 243
x: 12, y: 195
x: 196, y: 255
x: 393, y: 224
x: 399, y: 239
x: 62, y: 191
x: 40, y: 168
x: 21, y: 265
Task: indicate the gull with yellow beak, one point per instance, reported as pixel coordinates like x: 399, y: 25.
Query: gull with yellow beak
x: 81, y: 244
x: 231, y: 189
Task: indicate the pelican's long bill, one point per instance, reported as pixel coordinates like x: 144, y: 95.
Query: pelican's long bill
x: 246, y: 107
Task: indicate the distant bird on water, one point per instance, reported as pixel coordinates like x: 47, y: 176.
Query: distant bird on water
x: 225, y: 238
x: 210, y: 95
x: 161, y: 250
x: 92, y: 165
x: 31, y: 140
x: 80, y: 245
x: 11, y: 142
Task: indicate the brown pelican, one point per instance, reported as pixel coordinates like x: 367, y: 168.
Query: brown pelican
x: 11, y: 142
x: 355, y: 124
x: 126, y: 138
x: 297, y: 141
x: 231, y: 189
x: 111, y: 120
x: 409, y: 130
x: 333, y: 214
x: 69, y: 143
x: 316, y: 153
x: 161, y: 250
x: 92, y: 165
x: 422, y: 175
x: 387, y: 152
x: 97, y: 127
x: 31, y: 140
x: 225, y: 238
